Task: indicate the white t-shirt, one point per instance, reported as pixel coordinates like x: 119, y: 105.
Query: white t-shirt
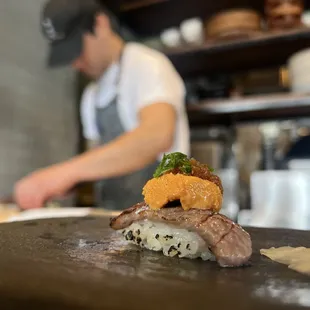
x: 146, y: 77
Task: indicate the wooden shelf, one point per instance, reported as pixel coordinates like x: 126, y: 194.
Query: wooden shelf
x: 135, y: 5
x: 258, y: 39
x: 252, y: 108
x: 151, y: 20
x: 263, y: 50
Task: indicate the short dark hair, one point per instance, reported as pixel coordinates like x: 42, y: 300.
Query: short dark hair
x: 90, y: 18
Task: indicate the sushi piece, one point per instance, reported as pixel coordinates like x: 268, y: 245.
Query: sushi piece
x: 180, y: 216
x: 192, y: 234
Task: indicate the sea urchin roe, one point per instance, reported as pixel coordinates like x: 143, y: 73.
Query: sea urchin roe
x: 192, y: 192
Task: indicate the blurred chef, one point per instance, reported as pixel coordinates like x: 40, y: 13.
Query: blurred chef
x: 133, y: 111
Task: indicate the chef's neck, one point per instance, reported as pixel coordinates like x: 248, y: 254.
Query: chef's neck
x: 112, y: 55
x: 117, y: 45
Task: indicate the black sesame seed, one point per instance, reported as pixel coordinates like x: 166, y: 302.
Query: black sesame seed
x: 123, y: 232
x: 138, y: 232
x: 188, y: 247
x: 168, y: 237
x: 139, y: 240
x: 129, y: 235
x: 157, y: 236
x: 179, y: 244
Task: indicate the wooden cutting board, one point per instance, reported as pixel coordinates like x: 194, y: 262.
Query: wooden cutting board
x: 81, y: 264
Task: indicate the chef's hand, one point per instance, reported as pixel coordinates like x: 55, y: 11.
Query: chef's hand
x: 34, y: 190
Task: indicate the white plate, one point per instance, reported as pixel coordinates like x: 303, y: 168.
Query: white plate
x: 49, y: 213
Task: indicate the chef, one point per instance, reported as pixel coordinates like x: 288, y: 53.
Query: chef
x: 132, y: 112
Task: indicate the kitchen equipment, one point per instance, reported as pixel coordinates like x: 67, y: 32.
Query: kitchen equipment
x: 81, y: 264
x: 171, y: 37
x: 270, y: 132
x: 230, y: 182
x: 211, y: 152
x: 280, y: 199
x: 302, y: 165
x: 192, y: 31
x: 299, y: 153
x: 214, y: 146
x: 299, y: 71
x: 305, y: 18
x: 283, y: 14
x: 207, y: 87
x: 261, y: 145
x: 233, y: 24
x: 262, y: 81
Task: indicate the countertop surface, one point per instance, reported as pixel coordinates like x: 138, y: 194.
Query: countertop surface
x: 79, y: 263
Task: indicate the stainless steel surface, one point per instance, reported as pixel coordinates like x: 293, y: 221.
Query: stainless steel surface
x: 214, y: 146
x: 210, y: 152
x: 252, y: 103
x: 230, y: 181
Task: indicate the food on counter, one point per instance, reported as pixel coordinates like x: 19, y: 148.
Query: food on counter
x: 180, y: 215
x: 297, y: 259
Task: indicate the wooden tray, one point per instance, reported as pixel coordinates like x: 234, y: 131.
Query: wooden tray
x: 81, y: 264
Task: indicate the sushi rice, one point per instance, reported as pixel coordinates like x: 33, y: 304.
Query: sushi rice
x: 172, y: 241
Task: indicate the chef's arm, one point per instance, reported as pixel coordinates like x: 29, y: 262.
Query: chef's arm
x: 131, y: 151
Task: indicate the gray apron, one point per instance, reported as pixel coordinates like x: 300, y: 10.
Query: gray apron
x: 122, y: 192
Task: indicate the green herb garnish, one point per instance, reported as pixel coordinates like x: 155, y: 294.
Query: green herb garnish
x: 173, y: 161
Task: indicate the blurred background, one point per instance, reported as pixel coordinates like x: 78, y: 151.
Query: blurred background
x: 246, y: 66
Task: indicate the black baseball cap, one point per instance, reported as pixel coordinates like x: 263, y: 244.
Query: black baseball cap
x: 63, y: 23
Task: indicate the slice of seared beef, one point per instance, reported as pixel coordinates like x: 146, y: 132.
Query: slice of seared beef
x: 230, y: 244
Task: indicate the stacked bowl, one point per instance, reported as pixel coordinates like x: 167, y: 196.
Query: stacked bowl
x: 299, y: 71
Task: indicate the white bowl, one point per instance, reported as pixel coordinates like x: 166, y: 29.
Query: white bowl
x: 192, y: 30
x: 171, y: 37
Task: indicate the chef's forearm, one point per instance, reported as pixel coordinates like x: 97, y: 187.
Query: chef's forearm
x: 130, y: 152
